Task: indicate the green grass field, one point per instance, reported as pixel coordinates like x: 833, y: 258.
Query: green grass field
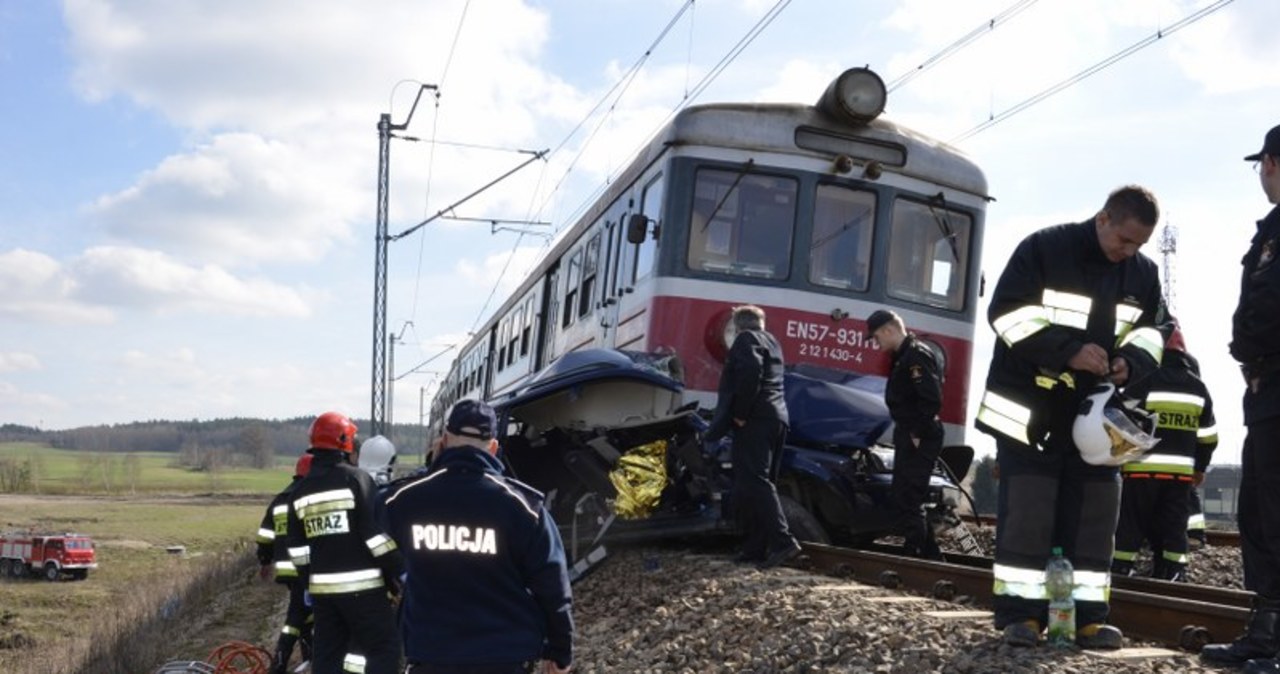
x: 59, y: 471
x: 136, y: 572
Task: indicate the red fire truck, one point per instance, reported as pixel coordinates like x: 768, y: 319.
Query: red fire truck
x: 48, y: 555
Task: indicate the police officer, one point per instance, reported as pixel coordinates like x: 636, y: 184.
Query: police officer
x: 1157, y: 488
x: 273, y: 551
x: 1075, y: 305
x: 914, y: 396
x: 750, y: 404
x: 344, y: 558
x: 1255, y: 343
x: 487, y: 588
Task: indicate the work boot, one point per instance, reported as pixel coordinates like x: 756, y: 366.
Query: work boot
x: 783, y: 554
x: 1170, y: 571
x: 1262, y: 666
x: 1023, y: 634
x: 1259, y: 641
x: 1099, y: 637
x: 1122, y: 567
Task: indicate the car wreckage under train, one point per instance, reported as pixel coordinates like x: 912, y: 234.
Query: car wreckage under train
x: 607, y: 436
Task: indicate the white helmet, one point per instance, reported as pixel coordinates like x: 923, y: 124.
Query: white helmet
x: 377, y: 456
x: 1110, y: 431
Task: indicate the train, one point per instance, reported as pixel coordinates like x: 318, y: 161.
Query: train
x: 817, y: 213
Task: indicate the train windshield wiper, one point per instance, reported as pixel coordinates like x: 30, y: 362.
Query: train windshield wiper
x: 742, y: 172
x: 944, y: 224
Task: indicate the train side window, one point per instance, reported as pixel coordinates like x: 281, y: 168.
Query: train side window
x: 651, y: 207
x: 514, y: 325
x: 742, y: 224
x: 840, y: 253
x: 625, y: 271
x: 589, y: 264
x: 929, y: 254
x: 502, y: 343
x: 527, y: 331
x: 571, y: 286
x: 608, y: 279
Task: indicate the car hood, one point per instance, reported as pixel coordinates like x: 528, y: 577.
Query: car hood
x: 834, y: 407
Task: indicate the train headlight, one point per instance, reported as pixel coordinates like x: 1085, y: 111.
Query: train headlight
x: 857, y: 95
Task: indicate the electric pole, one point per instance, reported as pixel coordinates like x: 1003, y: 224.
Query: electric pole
x: 1169, y: 264
x: 379, y: 402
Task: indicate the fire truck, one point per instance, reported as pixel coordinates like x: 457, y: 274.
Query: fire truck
x: 48, y: 555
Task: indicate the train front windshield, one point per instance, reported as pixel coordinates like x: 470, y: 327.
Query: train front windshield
x: 825, y: 236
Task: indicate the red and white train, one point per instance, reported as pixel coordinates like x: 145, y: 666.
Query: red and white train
x: 819, y: 214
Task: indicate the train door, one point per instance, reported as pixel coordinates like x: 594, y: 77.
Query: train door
x: 609, y: 284
x: 547, y: 318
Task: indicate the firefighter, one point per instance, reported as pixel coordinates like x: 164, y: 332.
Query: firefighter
x: 347, y: 563
x: 487, y: 588
x: 274, y: 551
x: 1195, y: 521
x: 1075, y: 306
x: 1255, y: 344
x: 913, y: 394
x: 1157, y: 488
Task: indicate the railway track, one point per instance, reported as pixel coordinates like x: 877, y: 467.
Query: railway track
x: 1214, y: 537
x: 1173, y: 614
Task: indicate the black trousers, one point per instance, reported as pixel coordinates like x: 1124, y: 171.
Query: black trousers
x: 513, y: 668
x: 297, y: 623
x: 755, y: 446
x: 1053, y: 499
x: 1155, y: 510
x: 362, y: 623
x: 912, y: 467
x: 1258, y: 509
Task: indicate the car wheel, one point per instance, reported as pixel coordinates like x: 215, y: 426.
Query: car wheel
x: 802, y: 523
x: 51, y: 572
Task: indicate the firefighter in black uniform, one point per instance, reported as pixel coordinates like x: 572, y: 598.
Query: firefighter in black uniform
x: 914, y: 397
x: 273, y: 551
x: 1075, y: 305
x: 1255, y: 343
x: 487, y: 588
x: 1157, y: 488
x: 751, y: 405
x: 346, y: 561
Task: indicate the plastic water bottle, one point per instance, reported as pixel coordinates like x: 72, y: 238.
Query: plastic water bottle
x: 1059, y: 579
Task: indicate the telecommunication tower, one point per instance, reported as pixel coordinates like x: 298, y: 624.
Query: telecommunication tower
x: 1169, y: 264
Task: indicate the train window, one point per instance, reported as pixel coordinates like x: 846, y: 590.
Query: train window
x: 571, y: 286
x: 650, y: 206
x: 840, y: 254
x: 742, y: 224
x: 589, y: 264
x: 526, y: 333
x: 608, y: 282
x: 502, y: 343
x: 929, y: 254
x: 513, y: 333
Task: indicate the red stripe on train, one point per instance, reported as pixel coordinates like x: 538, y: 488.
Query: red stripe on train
x: 693, y: 328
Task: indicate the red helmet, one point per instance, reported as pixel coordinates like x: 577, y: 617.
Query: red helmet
x: 332, y: 430
x: 1175, y: 342
x: 303, y: 466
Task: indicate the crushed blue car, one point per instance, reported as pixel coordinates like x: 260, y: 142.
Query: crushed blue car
x: 607, y: 436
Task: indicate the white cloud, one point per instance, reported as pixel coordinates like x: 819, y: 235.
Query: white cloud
x: 238, y: 198
x: 35, y: 287
x: 16, y: 360
x: 484, y: 274
x: 149, y: 279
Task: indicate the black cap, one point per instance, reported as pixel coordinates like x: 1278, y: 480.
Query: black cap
x: 879, y: 318
x: 473, y: 419
x: 1270, y: 145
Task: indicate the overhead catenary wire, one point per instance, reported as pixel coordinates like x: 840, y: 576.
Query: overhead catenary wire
x: 1093, y: 69
x: 949, y: 50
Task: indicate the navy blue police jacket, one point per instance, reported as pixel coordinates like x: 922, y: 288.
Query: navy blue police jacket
x: 1255, y: 326
x: 750, y: 383
x: 487, y: 581
x: 913, y: 392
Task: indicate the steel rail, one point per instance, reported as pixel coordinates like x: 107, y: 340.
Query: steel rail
x: 1144, y: 614
x: 1215, y: 537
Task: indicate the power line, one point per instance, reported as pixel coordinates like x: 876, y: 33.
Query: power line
x: 1091, y: 70
x: 982, y: 29
x: 457, y: 33
x: 497, y: 282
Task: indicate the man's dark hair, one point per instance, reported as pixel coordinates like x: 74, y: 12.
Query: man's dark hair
x: 1132, y: 201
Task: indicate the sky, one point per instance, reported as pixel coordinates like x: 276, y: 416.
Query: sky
x: 187, y: 189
